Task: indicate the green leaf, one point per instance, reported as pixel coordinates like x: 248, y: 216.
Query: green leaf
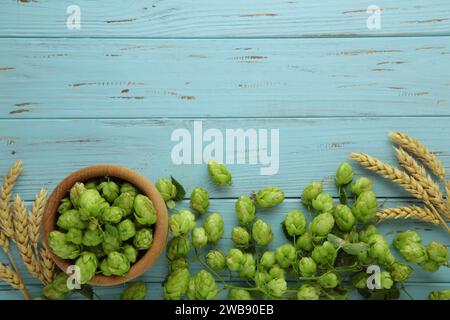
x: 180, y: 190
x: 338, y: 293
x: 380, y: 294
x: 350, y: 248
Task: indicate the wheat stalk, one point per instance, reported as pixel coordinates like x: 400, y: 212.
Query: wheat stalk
x: 13, y: 279
x: 400, y: 177
x: 47, y: 265
x: 419, y: 173
x: 35, y: 219
x: 414, y: 212
x: 6, y: 220
x: 22, y: 239
x: 420, y: 151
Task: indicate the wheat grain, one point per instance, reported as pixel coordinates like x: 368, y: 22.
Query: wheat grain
x: 35, y: 219
x: 4, y: 242
x: 6, y: 220
x: 420, y: 151
x: 21, y: 238
x: 414, y: 212
x: 419, y: 173
x: 447, y: 202
x: 47, y: 265
x: 11, y: 277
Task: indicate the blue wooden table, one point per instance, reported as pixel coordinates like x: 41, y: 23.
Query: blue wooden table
x: 117, y: 88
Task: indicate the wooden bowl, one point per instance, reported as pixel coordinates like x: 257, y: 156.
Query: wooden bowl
x: 125, y: 174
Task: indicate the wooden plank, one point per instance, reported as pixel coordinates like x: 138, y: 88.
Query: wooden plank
x: 254, y: 18
x: 83, y: 78
x: 309, y: 149
x: 274, y: 217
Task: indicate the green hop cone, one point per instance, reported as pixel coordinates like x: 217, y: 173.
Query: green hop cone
x: 276, y: 272
x: 361, y: 185
x: 439, y: 295
x: 344, y: 174
x: 406, y: 237
x: 199, y: 200
x: 104, y: 267
x: 325, y: 254
x: 112, y: 215
x: 367, y: 232
x: 202, y: 287
x: 91, y: 184
x: 97, y: 250
x: 386, y: 281
x: 323, y: 202
x: 87, y: 262
x: 245, y: 210
x: 329, y: 280
x: 126, y: 202
x: 216, y: 260
x: 262, y: 233
x: 110, y: 190
x: 322, y: 224
x: 276, y: 288
x: 144, y: 210
x: 143, y: 239
x: 400, y: 272
x: 379, y: 250
x: 268, y: 259
x: 91, y: 204
x: 359, y: 280
x: 167, y: 189
x: 214, y: 227
x: 118, y: 263
x: 135, y: 291
x: 219, y: 173
x: 75, y: 194
x: 61, y: 247
x: 182, y: 222
x: 130, y: 252
x: 111, y: 239
x: 307, y: 267
x: 240, y: 236
x: 199, y: 238
x: 234, y: 259
x: 305, y: 242
x: 344, y: 217
x: 352, y: 236
x: 286, y: 255
x: 365, y: 207
x: 70, y: 219
x: 261, y: 278
x: 92, y: 238
x: 127, y: 230
x: 178, y: 263
x: 130, y: 189
x: 311, y: 192
x: 57, y: 289
x: 414, y: 252
x: 75, y: 236
x: 269, y: 197
x: 248, y: 267
x: 178, y: 247
x: 239, y: 294
x: 295, y: 223
x: 437, y: 252
x: 308, y: 292
x: 64, y: 205
x: 176, y: 285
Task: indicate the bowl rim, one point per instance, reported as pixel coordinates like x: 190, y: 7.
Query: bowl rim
x: 139, y: 181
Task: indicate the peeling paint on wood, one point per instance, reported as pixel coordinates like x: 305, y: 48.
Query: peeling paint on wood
x: 19, y: 111
x: 129, y: 98
x: 121, y: 21
x: 362, y: 52
x: 259, y: 15
x: 125, y: 91
x: 23, y: 104
x: 390, y: 62
x: 187, y: 98
x: 426, y: 21
x: 382, y: 69
x: 6, y: 68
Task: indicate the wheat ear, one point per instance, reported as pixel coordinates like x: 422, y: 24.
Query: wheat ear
x: 6, y: 220
x: 420, y: 151
x: 47, y: 265
x: 22, y: 239
x: 447, y: 202
x: 400, y: 177
x: 419, y: 173
x: 414, y: 212
x: 35, y: 219
x: 11, y: 277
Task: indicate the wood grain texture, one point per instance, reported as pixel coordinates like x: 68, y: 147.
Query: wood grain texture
x: 85, y: 78
x: 309, y: 149
x: 222, y: 18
